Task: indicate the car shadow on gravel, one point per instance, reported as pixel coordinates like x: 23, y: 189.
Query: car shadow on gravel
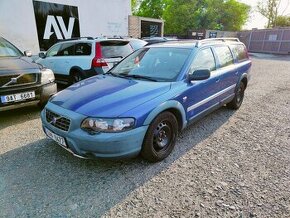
x: 17, y: 116
x: 42, y: 179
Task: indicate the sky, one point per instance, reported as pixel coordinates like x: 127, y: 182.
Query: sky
x: 256, y: 20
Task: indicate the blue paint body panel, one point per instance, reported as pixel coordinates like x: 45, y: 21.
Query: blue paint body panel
x: 106, y: 96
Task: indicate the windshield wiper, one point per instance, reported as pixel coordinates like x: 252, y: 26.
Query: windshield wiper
x: 113, y: 74
x: 115, y: 57
x: 139, y: 77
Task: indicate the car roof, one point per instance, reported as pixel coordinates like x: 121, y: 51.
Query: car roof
x: 190, y: 44
x: 90, y: 39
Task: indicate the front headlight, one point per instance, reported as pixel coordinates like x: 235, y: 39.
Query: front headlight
x: 108, y: 125
x: 47, y: 76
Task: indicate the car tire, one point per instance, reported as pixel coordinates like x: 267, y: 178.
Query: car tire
x: 160, y: 138
x: 75, y: 77
x: 238, y: 99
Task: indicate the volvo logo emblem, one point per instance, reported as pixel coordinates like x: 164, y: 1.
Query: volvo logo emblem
x: 54, y: 120
x: 13, y: 80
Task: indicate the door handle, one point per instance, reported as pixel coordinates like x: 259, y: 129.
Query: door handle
x: 217, y: 80
x: 237, y: 72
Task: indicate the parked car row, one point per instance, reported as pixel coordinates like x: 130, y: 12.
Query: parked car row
x: 76, y: 59
x: 141, y: 104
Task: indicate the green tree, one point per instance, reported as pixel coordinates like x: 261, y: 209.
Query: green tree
x: 134, y: 6
x: 272, y: 10
x: 283, y: 21
x: 151, y: 8
x: 269, y: 9
x: 182, y: 15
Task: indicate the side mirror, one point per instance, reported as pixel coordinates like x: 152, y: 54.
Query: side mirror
x: 28, y: 53
x: 42, y: 55
x: 201, y: 74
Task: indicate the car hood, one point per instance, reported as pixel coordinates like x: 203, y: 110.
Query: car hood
x: 17, y: 64
x: 108, y: 96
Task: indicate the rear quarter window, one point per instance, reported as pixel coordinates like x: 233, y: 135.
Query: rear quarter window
x: 115, y: 49
x: 224, y: 55
x: 82, y: 49
x: 240, y: 52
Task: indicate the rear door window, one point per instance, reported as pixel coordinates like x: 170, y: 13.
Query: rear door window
x: 115, y: 49
x: 67, y: 49
x: 203, y: 60
x: 240, y: 52
x: 82, y: 49
x: 224, y: 55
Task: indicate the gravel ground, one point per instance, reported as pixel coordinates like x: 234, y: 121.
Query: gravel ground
x: 229, y: 164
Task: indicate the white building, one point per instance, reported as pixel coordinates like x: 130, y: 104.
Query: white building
x: 34, y: 25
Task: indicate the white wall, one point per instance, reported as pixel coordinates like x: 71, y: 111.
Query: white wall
x: 97, y: 17
x: 17, y: 24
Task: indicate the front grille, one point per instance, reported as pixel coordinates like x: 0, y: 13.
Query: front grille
x: 18, y: 79
x: 57, y: 120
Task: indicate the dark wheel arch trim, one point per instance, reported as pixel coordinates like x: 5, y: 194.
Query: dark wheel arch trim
x: 244, y: 79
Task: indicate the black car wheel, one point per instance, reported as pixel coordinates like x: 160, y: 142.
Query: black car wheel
x: 160, y: 137
x: 76, y: 77
x: 239, y: 97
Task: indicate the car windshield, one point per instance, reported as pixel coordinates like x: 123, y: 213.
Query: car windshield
x: 8, y: 50
x: 156, y: 64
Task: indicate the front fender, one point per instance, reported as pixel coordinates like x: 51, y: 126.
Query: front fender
x: 172, y: 104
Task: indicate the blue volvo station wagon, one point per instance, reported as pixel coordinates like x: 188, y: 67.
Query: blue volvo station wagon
x: 140, y: 105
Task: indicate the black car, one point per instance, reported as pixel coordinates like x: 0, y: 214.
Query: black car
x: 22, y: 82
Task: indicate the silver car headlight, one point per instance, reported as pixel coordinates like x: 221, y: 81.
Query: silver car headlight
x: 47, y: 76
x: 108, y: 125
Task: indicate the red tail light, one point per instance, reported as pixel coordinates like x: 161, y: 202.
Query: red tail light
x: 98, y: 61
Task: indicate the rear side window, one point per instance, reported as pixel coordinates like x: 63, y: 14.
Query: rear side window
x: 82, y: 49
x: 203, y: 60
x: 224, y: 55
x: 240, y: 52
x: 67, y: 49
x: 115, y: 49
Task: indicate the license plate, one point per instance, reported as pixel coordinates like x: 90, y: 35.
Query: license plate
x: 58, y: 139
x: 17, y: 97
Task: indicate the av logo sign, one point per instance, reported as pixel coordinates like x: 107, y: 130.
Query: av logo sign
x: 60, y: 30
x: 55, y: 22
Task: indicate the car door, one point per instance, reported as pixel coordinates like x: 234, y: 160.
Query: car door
x: 82, y: 57
x: 51, y: 56
x: 227, y: 71
x: 201, y: 95
x: 63, y: 61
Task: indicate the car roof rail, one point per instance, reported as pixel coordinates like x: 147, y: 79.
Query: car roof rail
x: 203, y: 41
x: 77, y: 38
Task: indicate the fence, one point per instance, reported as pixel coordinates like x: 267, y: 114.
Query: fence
x: 275, y: 41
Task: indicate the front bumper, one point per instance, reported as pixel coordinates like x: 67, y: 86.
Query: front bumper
x: 42, y: 94
x: 102, y: 145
